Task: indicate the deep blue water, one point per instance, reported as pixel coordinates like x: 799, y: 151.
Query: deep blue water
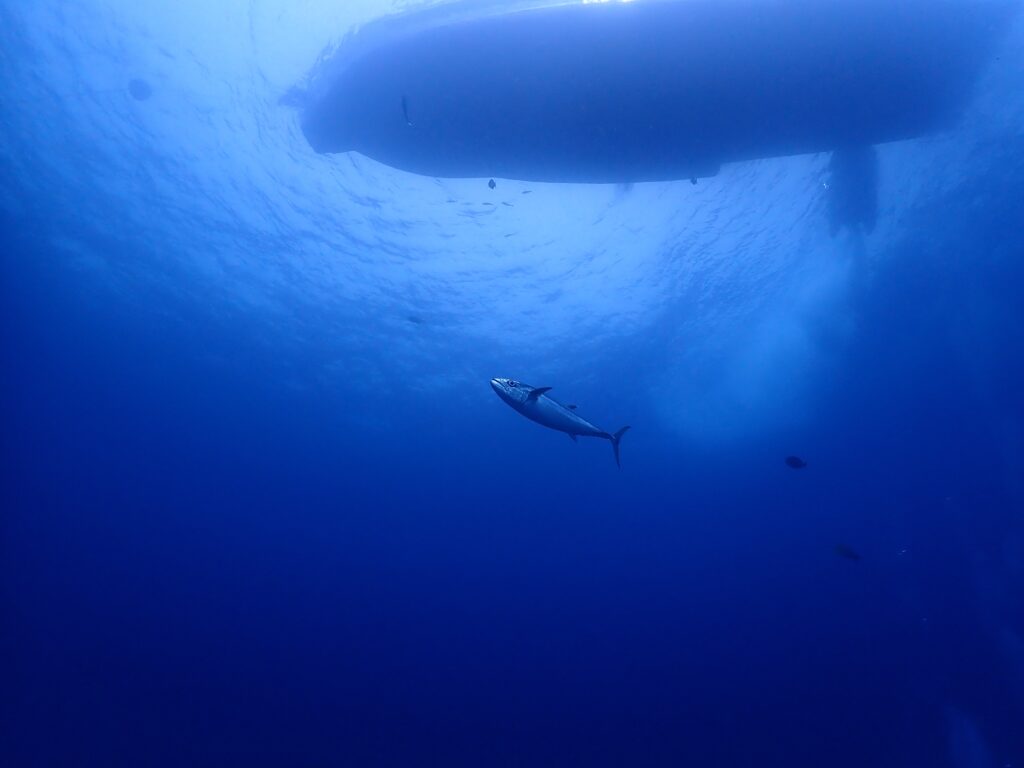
x: 261, y: 507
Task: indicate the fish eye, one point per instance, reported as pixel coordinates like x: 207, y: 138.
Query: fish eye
x: 513, y: 383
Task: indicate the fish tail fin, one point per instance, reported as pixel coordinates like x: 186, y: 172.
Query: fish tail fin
x: 616, y: 438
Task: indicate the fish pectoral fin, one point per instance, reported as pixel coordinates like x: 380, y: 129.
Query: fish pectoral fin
x: 571, y: 407
x: 572, y: 437
x: 537, y: 393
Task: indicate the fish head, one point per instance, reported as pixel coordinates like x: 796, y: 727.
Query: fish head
x: 511, y: 391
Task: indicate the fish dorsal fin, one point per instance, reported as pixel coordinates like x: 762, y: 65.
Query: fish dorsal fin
x: 537, y: 392
x: 571, y: 407
x: 571, y: 436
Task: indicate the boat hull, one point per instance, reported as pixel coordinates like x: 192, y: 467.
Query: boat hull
x: 646, y: 90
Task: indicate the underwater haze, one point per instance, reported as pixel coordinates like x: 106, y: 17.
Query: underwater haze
x: 260, y: 505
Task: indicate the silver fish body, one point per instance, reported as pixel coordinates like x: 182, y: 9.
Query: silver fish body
x: 535, y: 404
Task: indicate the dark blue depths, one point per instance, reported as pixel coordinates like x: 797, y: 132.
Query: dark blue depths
x: 200, y: 567
x: 202, y: 564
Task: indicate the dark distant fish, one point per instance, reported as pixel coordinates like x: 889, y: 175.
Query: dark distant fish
x: 491, y: 184
x: 295, y: 97
x: 140, y: 90
x: 846, y: 552
x: 534, y: 404
x: 795, y: 462
x: 405, y: 111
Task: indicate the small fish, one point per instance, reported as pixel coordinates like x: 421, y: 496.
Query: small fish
x: 846, y: 552
x: 405, y: 111
x: 795, y: 462
x: 491, y: 184
x: 534, y: 404
x: 694, y: 181
x: 294, y: 97
x: 140, y: 90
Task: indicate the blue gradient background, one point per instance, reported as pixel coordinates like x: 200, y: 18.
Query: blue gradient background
x: 261, y: 507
